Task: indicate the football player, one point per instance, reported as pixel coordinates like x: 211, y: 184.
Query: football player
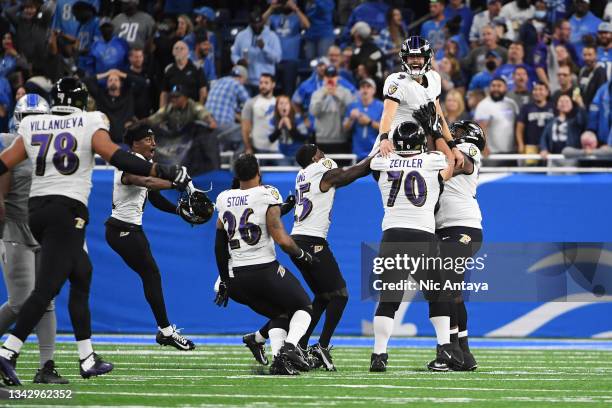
x: 315, y: 187
x: 404, y: 92
x: 248, y: 225
x: 61, y: 147
x: 19, y: 248
x: 459, y: 225
x: 410, y: 181
x: 126, y: 237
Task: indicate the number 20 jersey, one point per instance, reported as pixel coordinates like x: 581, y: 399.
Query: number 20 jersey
x: 410, y: 188
x: 313, y: 206
x: 60, y: 148
x: 243, y: 214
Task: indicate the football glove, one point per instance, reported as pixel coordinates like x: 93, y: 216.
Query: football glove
x: 222, y: 296
x: 307, y: 257
x: 288, y: 204
x: 176, y: 174
x: 429, y: 120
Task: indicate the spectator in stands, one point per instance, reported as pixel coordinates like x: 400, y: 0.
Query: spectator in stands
x: 258, y: 48
x: 225, y: 100
x: 287, y: 21
x: 520, y: 92
x: 31, y: 21
x: 584, y: 24
x: 116, y: 100
x: 482, y: 19
x: 181, y: 111
x: 454, y: 107
x: 604, y: 50
x: 496, y: 115
x: 566, y: 87
x: 61, y: 59
x: 289, y: 129
x: 473, y: 99
x: 608, y: 13
x: 109, y: 52
x: 164, y: 41
x: 516, y: 57
x: 88, y: 32
x: 546, y: 58
x: 599, y: 113
x: 482, y: 79
x: 64, y: 16
x: 532, y: 119
x: 475, y: 60
x: 432, y: 29
x: 564, y: 130
x: 591, y: 75
x: 588, y: 142
x: 184, y: 30
x: 145, y: 89
x: 450, y: 74
x: 365, y: 52
x: 337, y: 59
x: 183, y: 72
x: 533, y: 30
x: 328, y: 106
x: 458, y: 8
x: 257, y: 117
x: 517, y: 12
x: 452, y: 32
x: 134, y: 26
x: 203, y: 56
x: 6, y: 103
x: 320, y: 35
x: 502, y: 28
x: 391, y: 39
x: 10, y: 59
x: 372, y: 12
x: 204, y: 18
x: 362, y: 119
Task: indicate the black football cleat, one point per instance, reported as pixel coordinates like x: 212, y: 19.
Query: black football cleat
x: 313, y: 358
x: 49, y: 375
x: 448, y: 357
x: 8, y: 361
x: 175, y: 340
x: 324, y: 356
x: 258, y: 349
x: 295, y: 356
x: 378, y: 363
x: 282, y: 366
x: 93, y: 366
x: 469, y: 362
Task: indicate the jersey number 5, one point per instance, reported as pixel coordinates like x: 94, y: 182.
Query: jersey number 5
x: 65, y: 159
x: 249, y: 232
x: 303, y: 202
x: 415, y: 187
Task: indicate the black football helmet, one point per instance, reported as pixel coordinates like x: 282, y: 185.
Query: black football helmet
x: 194, y: 206
x: 416, y: 46
x: 68, y: 96
x: 409, y: 137
x: 468, y: 131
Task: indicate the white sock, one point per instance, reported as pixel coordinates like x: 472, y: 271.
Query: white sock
x: 462, y: 333
x: 383, y: 328
x: 167, y: 331
x: 441, y: 325
x: 277, y: 339
x: 259, y: 338
x: 297, y: 326
x: 454, y: 331
x: 13, y: 343
x: 85, y: 348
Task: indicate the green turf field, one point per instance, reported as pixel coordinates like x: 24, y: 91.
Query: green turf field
x: 228, y: 376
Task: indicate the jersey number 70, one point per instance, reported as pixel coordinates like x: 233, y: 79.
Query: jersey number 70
x: 415, y: 187
x: 65, y: 159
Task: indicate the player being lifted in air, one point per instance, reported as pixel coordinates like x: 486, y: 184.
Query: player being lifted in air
x: 248, y: 226
x: 62, y: 147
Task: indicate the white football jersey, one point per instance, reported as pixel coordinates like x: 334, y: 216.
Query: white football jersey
x: 410, y: 188
x: 410, y: 95
x: 313, y: 206
x: 61, y: 152
x: 128, y: 199
x: 458, y: 205
x: 243, y: 214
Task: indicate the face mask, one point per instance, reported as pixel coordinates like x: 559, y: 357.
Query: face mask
x: 540, y: 14
x: 491, y: 65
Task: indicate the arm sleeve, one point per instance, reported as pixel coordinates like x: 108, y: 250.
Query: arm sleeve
x: 222, y: 254
x: 235, y: 56
x: 161, y: 203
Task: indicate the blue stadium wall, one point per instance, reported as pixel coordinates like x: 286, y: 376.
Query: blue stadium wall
x: 516, y: 208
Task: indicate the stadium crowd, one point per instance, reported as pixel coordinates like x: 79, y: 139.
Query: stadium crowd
x: 270, y: 75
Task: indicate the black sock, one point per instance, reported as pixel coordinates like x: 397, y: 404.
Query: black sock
x: 453, y: 322
x: 462, y: 316
x: 318, y: 306
x: 333, y: 314
x: 463, y: 343
x: 264, y: 330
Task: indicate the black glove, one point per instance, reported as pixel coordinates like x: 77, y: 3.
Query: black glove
x: 429, y: 120
x: 288, y: 204
x: 174, y: 173
x: 222, y: 296
x: 307, y: 257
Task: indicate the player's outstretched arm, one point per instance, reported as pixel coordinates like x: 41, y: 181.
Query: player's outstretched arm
x: 456, y: 155
x: 389, y: 109
x: 468, y: 166
x: 151, y: 183
x: 343, y: 176
x: 13, y: 155
x: 280, y: 236
x: 161, y: 203
x: 104, y: 146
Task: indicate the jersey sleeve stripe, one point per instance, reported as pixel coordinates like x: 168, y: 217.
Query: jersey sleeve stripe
x: 392, y: 98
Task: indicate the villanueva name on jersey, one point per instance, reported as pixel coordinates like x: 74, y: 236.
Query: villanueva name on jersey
x: 56, y: 124
x: 403, y: 163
